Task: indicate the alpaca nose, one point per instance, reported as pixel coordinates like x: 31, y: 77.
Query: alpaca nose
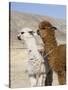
x: 19, y: 38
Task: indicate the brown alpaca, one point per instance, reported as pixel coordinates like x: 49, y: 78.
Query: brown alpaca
x: 57, y: 56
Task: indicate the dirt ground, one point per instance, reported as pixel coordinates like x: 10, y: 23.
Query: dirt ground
x: 19, y: 78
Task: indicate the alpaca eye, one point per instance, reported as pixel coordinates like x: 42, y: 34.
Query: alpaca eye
x: 43, y: 28
x: 22, y: 32
x: 30, y: 32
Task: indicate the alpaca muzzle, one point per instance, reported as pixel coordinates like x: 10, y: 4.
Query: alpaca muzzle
x: 19, y: 38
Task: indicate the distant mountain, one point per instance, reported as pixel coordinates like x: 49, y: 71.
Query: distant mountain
x: 20, y: 20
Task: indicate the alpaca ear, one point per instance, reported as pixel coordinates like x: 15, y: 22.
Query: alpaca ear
x: 38, y: 32
x: 53, y: 28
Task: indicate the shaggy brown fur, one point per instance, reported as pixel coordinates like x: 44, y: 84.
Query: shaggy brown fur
x: 57, y: 58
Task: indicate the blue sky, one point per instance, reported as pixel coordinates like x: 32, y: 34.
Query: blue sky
x: 57, y: 11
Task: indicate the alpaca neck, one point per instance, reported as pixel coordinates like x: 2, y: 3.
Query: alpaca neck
x: 50, y: 43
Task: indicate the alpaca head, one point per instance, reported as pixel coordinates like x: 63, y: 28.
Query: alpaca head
x: 45, y: 29
x: 25, y: 33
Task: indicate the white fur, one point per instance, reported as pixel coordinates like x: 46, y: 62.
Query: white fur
x: 35, y: 59
x: 55, y: 79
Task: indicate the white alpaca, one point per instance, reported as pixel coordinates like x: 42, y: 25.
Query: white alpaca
x: 36, y: 68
